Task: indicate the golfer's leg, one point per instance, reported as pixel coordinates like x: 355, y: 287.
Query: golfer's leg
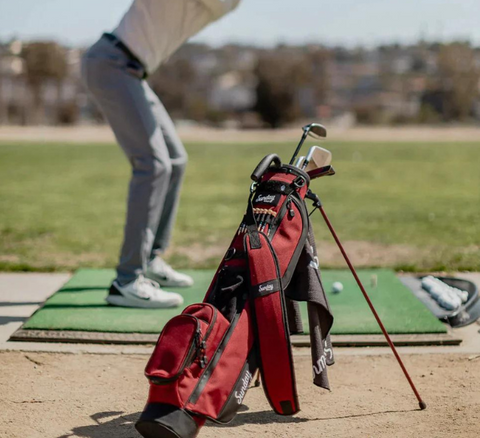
x: 124, y: 103
x: 178, y: 158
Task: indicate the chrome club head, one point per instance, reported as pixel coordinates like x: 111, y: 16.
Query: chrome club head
x: 317, y: 157
x: 314, y: 130
x: 299, y: 162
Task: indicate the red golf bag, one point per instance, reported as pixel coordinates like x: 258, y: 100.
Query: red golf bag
x: 206, y: 357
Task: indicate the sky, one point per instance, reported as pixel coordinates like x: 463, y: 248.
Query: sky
x: 261, y: 22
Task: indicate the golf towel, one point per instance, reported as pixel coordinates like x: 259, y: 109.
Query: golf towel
x: 306, y: 285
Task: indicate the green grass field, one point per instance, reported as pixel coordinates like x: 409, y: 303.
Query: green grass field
x: 63, y: 206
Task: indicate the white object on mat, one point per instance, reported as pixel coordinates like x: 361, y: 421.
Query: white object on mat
x: 337, y: 287
x: 448, y: 297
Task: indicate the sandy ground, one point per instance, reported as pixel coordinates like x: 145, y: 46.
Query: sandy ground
x: 103, y: 134
x: 365, y: 254
x: 100, y: 396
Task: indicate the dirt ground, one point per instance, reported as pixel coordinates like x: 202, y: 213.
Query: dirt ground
x: 103, y: 134
x: 365, y: 254
x: 101, y: 396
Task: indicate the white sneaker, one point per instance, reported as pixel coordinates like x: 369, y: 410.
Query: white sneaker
x: 143, y: 293
x: 161, y: 272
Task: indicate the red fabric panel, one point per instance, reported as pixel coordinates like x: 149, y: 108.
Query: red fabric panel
x: 164, y: 394
x: 277, y: 369
x: 200, y: 421
x: 201, y: 311
x: 225, y: 374
x: 272, y: 333
x: 262, y: 266
x: 288, y: 233
x: 172, y: 349
x: 287, y: 237
x: 278, y: 176
x: 188, y: 381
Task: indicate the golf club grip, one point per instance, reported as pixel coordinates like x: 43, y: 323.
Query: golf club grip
x: 264, y: 165
x: 321, y: 171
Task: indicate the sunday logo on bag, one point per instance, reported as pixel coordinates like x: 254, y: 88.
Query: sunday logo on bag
x: 265, y: 287
x: 267, y: 199
x: 246, y: 379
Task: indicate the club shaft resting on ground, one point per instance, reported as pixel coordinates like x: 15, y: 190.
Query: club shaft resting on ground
x: 372, y: 308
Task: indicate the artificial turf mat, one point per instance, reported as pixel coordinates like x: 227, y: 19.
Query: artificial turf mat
x: 79, y: 305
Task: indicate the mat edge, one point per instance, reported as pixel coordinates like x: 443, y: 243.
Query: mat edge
x: 79, y: 337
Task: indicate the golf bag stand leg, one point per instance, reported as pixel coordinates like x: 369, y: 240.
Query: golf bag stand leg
x: 318, y: 204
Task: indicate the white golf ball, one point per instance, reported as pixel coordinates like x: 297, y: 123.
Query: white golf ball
x: 337, y: 287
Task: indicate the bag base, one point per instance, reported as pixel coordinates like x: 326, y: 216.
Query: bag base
x: 159, y: 420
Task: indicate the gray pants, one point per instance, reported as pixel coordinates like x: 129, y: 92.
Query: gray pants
x: 148, y: 138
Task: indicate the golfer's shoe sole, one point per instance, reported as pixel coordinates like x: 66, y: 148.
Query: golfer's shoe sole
x: 116, y: 298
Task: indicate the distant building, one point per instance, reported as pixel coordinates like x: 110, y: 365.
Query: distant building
x: 386, y: 84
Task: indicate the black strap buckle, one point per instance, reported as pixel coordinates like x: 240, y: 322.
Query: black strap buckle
x: 299, y: 182
x: 119, y: 43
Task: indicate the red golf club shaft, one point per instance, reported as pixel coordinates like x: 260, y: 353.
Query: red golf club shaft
x: 375, y: 314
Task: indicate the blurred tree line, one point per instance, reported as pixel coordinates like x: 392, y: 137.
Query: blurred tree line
x: 257, y: 87
x: 44, y: 61
x: 456, y: 86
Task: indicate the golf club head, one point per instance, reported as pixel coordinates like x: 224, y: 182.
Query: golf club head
x: 315, y: 130
x: 321, y: 171
x: 317, y: 157
x: 299, y: 162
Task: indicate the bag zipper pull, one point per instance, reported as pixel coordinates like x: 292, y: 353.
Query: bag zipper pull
x: 203, y: 360
x: 201, y: 347
x: 291, y: 211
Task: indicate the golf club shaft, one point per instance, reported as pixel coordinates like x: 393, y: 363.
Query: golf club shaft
x: 297, y: 150
x: 372, y: 308
x: 299, y: 161
x: 307, y: 159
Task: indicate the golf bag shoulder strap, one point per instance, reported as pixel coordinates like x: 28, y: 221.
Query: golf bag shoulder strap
x: 271, y: 326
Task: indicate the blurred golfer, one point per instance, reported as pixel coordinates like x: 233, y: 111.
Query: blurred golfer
x: 114, y: 71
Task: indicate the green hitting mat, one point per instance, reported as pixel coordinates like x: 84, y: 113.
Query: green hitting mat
x: 79, y: 306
